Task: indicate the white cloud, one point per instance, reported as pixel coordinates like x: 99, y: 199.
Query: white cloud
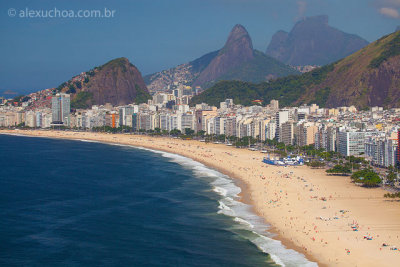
x: 389, y: 12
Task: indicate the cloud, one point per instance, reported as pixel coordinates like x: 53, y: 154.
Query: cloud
x: 388, y: 8
x: 389, y: 12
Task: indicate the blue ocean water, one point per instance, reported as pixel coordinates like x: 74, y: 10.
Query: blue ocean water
x: 75, y: 203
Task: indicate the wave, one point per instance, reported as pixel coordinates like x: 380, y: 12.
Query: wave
x: 229, y: 205
x: 88, y: 141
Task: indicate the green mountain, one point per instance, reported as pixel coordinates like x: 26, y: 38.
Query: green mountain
x: 369, y: 77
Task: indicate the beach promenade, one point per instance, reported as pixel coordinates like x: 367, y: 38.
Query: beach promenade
x: 327, y: 218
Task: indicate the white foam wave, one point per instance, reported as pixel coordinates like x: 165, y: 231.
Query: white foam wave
x: 240, y: 220
x: 230, y: 205
x: 88, y: 141
x: 220, y: 191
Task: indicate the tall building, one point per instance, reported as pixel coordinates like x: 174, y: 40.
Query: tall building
x: 305, y: 134
x: 127, y: 112
x: 351, y: 143
x: 287, y: 132
x: 60, y: 109
x: 281, y: 117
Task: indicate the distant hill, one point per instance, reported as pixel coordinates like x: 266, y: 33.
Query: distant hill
x: 8, y: 93
x: 237, y: 60
x: 313, y: 42
x: 117, y: 82
x: 185, y: 73
x: 369, y: 77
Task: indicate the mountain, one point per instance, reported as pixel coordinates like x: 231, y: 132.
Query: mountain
x: 313, y: 42
x: 398, y: 28
x: 237, y: 50
x: 237, y: 60
x: 117, y: 82
x: 184, y: 74
x: 369, y: 77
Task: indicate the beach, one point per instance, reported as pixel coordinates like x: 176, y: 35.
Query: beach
x: 326, y: 218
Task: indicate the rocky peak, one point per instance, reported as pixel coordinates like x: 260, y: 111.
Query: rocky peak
x: 312, y: 41
x: 237, y: 50
x: 239, y: 43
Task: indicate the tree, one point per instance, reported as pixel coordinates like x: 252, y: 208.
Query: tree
x: 391, y: 177
x: 71, y: 89
x: 201, y: 133
x: 367, y: 177
x: 394, y: 195
x: 316, y: 164
x: 189, y: 131
x: 78, y: 84
x: 175, y: 132
x: 339, y: 169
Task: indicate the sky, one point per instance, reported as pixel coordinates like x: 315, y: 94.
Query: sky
x: 39, y: 52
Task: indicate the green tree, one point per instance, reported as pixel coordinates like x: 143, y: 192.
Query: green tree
x: 367, y: 177
x: 201, y: 133
x: 189, y: 131
x: 339, y: 169
x: 391, y: 177
x: 175, y: 132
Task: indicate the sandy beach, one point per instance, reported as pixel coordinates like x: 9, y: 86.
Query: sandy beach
x: 309, y: 211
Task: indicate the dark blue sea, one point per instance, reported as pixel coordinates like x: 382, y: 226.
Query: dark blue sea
x: 77, y: 203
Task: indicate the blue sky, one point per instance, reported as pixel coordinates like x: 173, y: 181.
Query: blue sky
x: 39, y: 53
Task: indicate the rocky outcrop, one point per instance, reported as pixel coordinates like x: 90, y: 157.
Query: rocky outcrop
x: 313, y: 42
x: 237, y: 60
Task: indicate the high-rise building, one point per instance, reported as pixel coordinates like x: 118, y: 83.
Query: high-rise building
x: 281, y: 117
x: 351, y: 143
x: 60, y: 109
x: 286, y: 134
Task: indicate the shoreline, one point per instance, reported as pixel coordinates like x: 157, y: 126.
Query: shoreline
x: 257, y: 189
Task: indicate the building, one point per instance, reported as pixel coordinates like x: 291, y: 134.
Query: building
x: 270, y: 130
x: 287, y: 132
x: 274, y: 104
x: 281, y: 117
x: 351, y: 143
x: 125, y: 114
x: 381, y: 150
x: 60, y: 109
x: 305, y: 134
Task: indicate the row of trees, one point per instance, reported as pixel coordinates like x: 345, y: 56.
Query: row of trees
x: 392, y: 195
x: 363, y: 174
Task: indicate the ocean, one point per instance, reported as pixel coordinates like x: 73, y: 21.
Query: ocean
x: 81, y: 203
